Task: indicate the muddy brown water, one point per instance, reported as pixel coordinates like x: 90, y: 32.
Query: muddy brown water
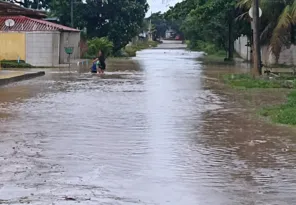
x: 149, y: 132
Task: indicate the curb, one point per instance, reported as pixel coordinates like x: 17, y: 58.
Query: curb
x: 25, y: 76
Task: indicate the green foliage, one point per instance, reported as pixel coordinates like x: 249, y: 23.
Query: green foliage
x: 283, y: 114
x: 277, y: 22
x: 62, y: 10
x: 207, y: 47
x: 14, y: 64
x: 211, y: 22
x: 96, y: 44
x: 159, y: 23
x: 118, y: 20
x: 132, y: 50
x: 247, y: 81
x: 216, y: 59
x: 162, y: 22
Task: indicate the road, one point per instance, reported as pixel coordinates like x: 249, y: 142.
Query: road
x: 150, y: 134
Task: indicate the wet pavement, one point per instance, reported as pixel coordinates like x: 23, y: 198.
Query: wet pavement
x: 150, y: 131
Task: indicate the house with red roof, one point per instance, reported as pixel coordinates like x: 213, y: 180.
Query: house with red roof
x: 37, y: 42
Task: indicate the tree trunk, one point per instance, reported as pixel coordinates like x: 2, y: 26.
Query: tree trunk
x: 256, y: 39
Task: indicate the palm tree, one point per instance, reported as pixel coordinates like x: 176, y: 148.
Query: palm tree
x: 278, y: 21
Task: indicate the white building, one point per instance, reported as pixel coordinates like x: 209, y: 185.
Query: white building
x: 169, y: 33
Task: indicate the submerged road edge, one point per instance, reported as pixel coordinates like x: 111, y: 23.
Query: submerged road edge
x: 25, y: 76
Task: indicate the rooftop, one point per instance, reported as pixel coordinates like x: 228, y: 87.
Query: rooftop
x: 23, y: 23
x: 11, y: 9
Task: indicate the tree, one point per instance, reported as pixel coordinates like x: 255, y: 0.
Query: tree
x: 176, y: 15
x: 159, y: 23
x: 210, y: 21
x: 119, y: 20
x: 277, y: 22
x: 62, y: 10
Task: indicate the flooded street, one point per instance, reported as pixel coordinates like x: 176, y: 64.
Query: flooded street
x: 149, y: 133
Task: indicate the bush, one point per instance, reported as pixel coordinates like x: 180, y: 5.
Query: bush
x: 132, y: 50
x: 207, y: 47
x: 96, y: 44
x: 14, y: 64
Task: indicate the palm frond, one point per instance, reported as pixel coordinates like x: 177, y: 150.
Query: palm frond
x: 281, y: 33
x: 266, y: 32
x: 293, y: 12
x: 244, y: 4
x: 243, y: 16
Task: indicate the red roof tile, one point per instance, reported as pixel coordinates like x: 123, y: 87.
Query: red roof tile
x: 23, y: 23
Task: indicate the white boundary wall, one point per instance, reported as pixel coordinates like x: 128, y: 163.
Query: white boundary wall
x: 287, y: 56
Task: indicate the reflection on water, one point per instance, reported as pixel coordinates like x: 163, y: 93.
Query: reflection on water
x: 148, y: 132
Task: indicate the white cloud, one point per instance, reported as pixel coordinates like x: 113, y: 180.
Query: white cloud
x: 160, y: 5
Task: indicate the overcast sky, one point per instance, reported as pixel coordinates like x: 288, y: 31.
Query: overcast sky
x: 160, y: 5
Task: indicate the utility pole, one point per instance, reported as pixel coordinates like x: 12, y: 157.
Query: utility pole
x: 72, y: 15
x: 256, y: 39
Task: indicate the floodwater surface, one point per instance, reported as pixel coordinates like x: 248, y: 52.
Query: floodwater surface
x: 148, y: 132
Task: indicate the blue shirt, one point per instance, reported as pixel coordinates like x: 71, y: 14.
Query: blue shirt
x: 94, y: 67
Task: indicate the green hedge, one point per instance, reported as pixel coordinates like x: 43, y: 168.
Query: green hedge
x: 14, y: 64
x: 208, y: 47
x: 132, y: 50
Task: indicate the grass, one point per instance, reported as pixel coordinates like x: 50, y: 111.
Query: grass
x: 14, y: 64
x: 217, y: 58
x: 282, y: 114
x: 247, y: 81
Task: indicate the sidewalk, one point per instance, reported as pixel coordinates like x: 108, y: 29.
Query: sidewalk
x: 7, y: 76
x: 4, y: 74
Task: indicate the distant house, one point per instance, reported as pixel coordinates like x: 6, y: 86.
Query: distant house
x: 36, y: 41
x: 143, y: 36
x: 169, y: 33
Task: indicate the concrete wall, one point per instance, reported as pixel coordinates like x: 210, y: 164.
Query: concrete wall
x: 12, y: 46
x: 43, y: 48
x: 69, y: 39
x: 241, y: 48
x: 287, y: 56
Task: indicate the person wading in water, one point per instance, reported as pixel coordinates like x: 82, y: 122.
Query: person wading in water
x: 99, y: 64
